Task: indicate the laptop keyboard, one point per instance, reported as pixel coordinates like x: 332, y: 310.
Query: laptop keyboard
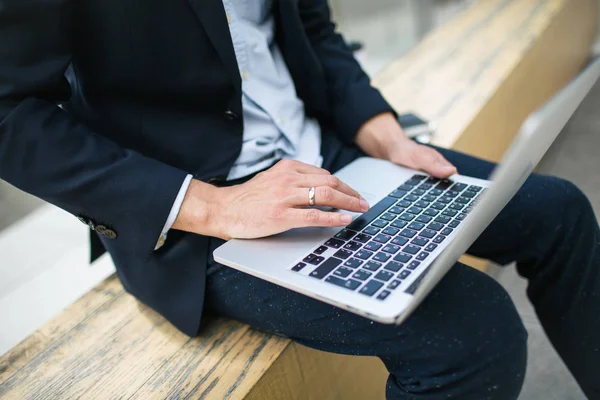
x: 381, y: 248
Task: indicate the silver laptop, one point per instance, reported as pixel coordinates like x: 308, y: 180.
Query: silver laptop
x: 387, y: 260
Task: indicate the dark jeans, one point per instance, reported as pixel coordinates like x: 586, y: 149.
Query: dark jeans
x: 466, y: 340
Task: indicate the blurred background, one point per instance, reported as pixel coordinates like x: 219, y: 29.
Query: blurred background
x: 43, y: 250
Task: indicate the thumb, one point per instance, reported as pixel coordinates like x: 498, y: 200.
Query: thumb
x: 435, y: 164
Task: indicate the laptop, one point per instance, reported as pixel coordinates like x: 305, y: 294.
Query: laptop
x: 383, y: 264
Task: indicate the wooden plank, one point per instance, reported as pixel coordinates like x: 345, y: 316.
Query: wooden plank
x: 480, y: 75
x: 302, y: 373
x: 96, y: 301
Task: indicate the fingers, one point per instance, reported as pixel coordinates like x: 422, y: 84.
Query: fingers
x: 308, y: 181
x: 314, y: 217
x: 326, y: 196
x: 434, y: 163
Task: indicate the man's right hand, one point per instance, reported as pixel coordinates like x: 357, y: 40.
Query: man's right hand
x: 272, y: 202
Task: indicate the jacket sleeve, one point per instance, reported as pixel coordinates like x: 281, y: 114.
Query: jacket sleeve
x: 46, y: 152
x: 353, y: 99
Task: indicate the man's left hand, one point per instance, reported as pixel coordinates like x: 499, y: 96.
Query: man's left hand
x: 382, y: 137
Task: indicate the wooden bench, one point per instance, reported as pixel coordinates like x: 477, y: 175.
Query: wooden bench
x: 477, y: 77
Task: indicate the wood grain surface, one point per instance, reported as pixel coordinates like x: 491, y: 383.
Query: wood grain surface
x: 477, y: 77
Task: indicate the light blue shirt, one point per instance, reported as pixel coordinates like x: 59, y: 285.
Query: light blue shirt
x: 275, y: 124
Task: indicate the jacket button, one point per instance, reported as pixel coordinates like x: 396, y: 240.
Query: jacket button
x: 110, y: 234
x: 230, y: 115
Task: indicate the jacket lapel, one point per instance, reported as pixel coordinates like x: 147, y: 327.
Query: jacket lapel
x: 212, y: 16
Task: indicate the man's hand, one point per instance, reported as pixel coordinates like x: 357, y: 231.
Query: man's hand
x: 272, y: 202
x: 382, y: 137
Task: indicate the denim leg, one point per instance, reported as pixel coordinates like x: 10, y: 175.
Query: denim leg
x: 550, y: 230
x: 466, y: 341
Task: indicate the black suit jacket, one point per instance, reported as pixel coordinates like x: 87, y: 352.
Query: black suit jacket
x: 150, y: 91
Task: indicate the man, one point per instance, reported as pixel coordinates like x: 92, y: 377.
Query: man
x: 175, y: 118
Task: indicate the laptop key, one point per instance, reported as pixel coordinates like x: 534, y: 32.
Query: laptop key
x: 371, y: 230
x: 399, y: 223
x: 445, y: 199
x: 439, y: 239
x: 388, y: 216
x: 417, y: 226
x: 427, y: 233
x: 459, y: 187
x: 317, y: 260
x: 407, y: 216
x: 381, y: 257
x: 404, y: 274
x: 362, y: 275
x: 424, y: 219
x: 373, y: 246
x: 363, y: 254
x: 334, y: 243
x: 425, y: 186
x: 371, y: 288
x: 406, y: 187
x: 449, y: 213
x: 431, y: 212
x: 432, y: 179
x: 457, y: 206
x: 435, y: 226
x: 383, y: 295
x: 325, y: 268
x: 345, y: 234
x: 431, y: 247
x: 365, y: 219
x: 469, y: 194
x: 418, y: 177
x: 399, y: 241
x: 409, y: 233
x: 391, y: 248
x: 384, y: 275
x: 414, y: 210
x: 352, y: 246
x: 442, y: 219
x: 436, y: 192
x: 438, y: 206
x: 379, y: 223
x: 429, y: 198
x: 418, y: 192
x: 446, y: 231
x: 454, y: 224
x: 420, y: 241
x: 474, y: 188
x: 461, y: 216
x: 390, y: 230
x: 411, y: 197
x: 381, y: 238
x: 309, y: 258
x: 343, y: 272
x: 451, y: 193
x: 398, y: 194
x: 411, y: 249
x: 343, y: 254
x: 413, y: 264
x: 345, y: 283
x: 422, y: 255
x: 362, y: 238
x: 463, y: 200
x: 393, y: 266
x: 372, y: 265
x: 404, y: 204
x: 402, y: 258
x: 394, y: 284
x: 353, y: 263
x: 298, y: 267
x: 422, y: 204
x: 320, y: 250
x: 396, y: 210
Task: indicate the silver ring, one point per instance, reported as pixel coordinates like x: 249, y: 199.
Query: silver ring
x: 311, y: 196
